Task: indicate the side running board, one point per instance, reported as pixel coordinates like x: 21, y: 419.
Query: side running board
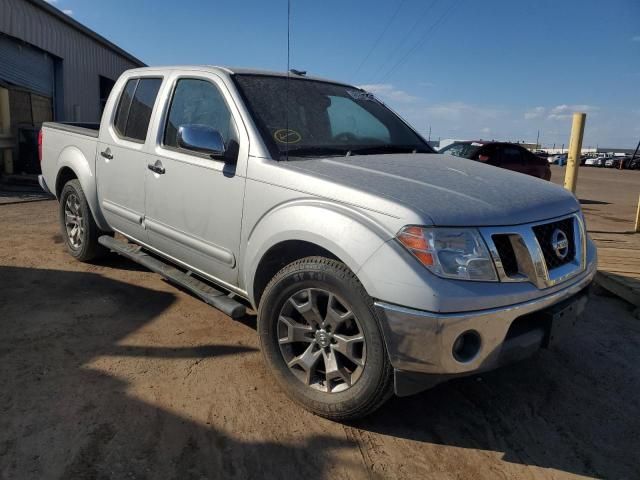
x: 202, y: 290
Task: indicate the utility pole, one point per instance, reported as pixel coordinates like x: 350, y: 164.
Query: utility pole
x: 429, y: 134
x: 537, y: 140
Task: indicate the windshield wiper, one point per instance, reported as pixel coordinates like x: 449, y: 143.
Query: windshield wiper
x: 347, y: 151
x: 315, y: 152
x: 373, y: 149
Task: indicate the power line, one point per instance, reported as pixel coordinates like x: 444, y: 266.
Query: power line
x: 420, y: 42
x: 399, y: 45
x: 384, y: 31
x: 286, y: 106
x: 288, y: 35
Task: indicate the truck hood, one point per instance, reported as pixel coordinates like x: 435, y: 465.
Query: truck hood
x: 449, y: 191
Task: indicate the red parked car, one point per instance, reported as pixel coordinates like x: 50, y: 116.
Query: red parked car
x: 500, y: 154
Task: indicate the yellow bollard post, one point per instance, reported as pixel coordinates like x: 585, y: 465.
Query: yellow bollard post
x: 575, y: 149
x: 638, y: 217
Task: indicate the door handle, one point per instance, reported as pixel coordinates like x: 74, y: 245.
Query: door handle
x: 107, y: 154
x: 156, y: 167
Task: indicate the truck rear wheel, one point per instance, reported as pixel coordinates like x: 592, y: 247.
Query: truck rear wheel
x: 320, y: 336
x: 79, y: 229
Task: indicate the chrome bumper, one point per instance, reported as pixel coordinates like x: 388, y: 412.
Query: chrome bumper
x: 419, y: 341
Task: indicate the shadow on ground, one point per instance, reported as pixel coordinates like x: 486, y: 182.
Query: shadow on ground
x: 584, y: 201
x: 10, y: 194
x: 59, y: 419
x: 572, y: 410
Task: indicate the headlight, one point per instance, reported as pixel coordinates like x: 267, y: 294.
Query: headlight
x: 450, y: 252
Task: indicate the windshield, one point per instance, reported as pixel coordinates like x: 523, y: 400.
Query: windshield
x: 464, y: 150
x: 323, y: 119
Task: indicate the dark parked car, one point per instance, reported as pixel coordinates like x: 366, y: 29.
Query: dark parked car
x: 504, y: 155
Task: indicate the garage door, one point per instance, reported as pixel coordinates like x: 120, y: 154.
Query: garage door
x: 26, y: 66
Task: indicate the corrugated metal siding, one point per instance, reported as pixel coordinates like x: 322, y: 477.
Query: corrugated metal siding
x: 26, y: 66
x: 83, y: 58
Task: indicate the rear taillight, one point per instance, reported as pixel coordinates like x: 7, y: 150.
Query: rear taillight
x: 40, y: 145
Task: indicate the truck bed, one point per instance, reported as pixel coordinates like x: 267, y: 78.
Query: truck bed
x: 81, y: 128
x: 71, y: 145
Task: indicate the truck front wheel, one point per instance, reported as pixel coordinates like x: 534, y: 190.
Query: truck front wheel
x: 320, y: 336
x: 78, y: 227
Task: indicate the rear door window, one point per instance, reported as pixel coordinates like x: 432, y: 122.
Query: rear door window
x: 529, y: 158
x: 511, y: 155
x: 123, y: 107
x: 135, y: 108
x: 488, y: 153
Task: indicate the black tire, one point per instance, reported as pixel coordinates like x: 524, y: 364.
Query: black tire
x: 375, y: 382
x: 88, y: 248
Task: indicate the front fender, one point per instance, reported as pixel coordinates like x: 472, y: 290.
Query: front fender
x: 349, y: 234
x: 73, y: 158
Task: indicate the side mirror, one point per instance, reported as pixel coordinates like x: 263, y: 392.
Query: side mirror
x: 202, y: 139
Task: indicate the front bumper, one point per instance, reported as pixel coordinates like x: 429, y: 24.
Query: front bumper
x: 422, y: 342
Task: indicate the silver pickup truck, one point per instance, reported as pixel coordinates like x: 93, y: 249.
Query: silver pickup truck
x: 374, y: 264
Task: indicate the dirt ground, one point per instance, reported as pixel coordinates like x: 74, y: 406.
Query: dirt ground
x: 609, y: 197
x: 107, y: 371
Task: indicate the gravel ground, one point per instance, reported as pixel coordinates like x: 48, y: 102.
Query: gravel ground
x: 107, y: 371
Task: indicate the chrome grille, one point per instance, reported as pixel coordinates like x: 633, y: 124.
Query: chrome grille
x: 525, y: 253
x: 507, y: 254
x: 544, y: 234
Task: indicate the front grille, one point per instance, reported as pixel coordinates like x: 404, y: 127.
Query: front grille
x: 507, y: 255
x: 544, y: 234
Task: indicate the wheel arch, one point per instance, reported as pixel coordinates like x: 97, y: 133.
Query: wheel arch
x: 72, y: 164
x: 65, y: 174
x: 280, y: 255
x: 295, y: 231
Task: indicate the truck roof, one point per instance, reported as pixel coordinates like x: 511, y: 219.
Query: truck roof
x: 231, y: 71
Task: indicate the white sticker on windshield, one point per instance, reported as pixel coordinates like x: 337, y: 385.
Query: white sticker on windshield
x: 362, y: 95
x: 476, y: 144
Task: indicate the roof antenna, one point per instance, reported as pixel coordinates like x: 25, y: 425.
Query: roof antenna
x: 286, y: 103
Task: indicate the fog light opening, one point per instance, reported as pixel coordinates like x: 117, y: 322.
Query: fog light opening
x: 466, y: 346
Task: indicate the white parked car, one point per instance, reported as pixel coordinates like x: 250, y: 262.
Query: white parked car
x: 560, y: 159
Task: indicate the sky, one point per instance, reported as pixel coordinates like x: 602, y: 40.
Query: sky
x: 466, y: 69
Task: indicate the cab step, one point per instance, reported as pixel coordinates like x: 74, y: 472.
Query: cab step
x: 200, y: 289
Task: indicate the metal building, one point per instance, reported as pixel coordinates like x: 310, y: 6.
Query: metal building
x: 51, y: 68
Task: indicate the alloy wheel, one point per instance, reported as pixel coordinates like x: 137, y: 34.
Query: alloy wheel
x: 321, y: 340
x: 73, y: 220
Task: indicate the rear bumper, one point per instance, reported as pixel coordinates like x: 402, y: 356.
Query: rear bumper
x: 423, y: 342
x: 43, y: 184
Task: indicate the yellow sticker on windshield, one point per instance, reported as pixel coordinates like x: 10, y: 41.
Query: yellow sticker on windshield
x: 285, y: 135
